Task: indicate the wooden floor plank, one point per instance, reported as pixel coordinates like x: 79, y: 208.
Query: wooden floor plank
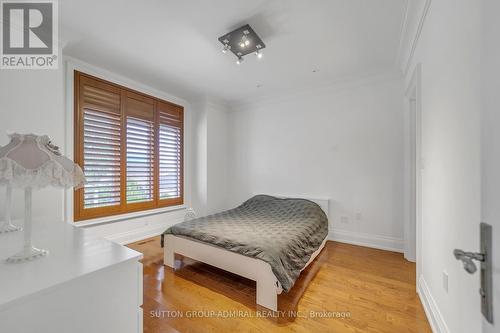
x: 373, y: 289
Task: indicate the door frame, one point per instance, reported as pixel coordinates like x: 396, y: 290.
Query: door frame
x: 413, y: 169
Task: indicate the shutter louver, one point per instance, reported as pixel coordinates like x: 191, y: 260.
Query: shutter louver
x: 170, y: 151
x: 140, y: 160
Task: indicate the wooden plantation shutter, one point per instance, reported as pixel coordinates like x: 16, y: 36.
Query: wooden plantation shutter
x: 170, y: 154
x: 98, y: 125
x: 130, y: 147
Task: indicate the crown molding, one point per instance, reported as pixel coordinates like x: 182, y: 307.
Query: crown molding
x: 73, y: 63
x: 216, y: 103
x: 410, y: 37
x: 402, y: 32
x: 329, y: 87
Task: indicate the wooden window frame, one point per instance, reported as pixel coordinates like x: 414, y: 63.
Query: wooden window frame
x: 79, y: 212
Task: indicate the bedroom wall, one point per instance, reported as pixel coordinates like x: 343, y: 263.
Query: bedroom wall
x: 342, y: 142
x: 217, y: 152
x: 31, y: 101
x: 448, y: 49
x: 211, y: 148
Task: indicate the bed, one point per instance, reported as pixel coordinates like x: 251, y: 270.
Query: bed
x: 267, y: 239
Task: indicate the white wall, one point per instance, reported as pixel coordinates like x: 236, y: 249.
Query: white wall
x: 344, y: 143
x: 211, y: 157
x: 217, y: 158
x: 490, y: 60
x: 32, y: 101
x: 200, y: 148
x: 449, y: 50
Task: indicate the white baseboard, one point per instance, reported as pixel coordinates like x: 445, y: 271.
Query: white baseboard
x: 434, y: 316
x: 138, y: 234
x: 343, y: 236
x: 368, y: 240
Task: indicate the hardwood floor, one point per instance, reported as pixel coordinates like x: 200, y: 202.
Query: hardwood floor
x: 346, y: 289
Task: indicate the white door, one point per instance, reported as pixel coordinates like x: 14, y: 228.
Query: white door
x: 412, y: 226
x: 490, y: 60
x: 491, y: 193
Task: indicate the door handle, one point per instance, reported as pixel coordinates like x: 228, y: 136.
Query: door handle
x: 467, y: 259
x: 485, y: 258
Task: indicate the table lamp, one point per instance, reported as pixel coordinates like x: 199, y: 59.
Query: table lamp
x: 6, y: 225
x: 31, y: 162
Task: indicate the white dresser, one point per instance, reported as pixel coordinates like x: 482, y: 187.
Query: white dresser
x: 85, y: 284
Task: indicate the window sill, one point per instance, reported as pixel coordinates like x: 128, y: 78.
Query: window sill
x: 127, y: 216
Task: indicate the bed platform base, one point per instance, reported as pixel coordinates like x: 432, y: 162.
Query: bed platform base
x: 268, y: 286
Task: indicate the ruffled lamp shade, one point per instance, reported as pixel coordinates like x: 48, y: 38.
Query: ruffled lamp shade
x: 33, y: 162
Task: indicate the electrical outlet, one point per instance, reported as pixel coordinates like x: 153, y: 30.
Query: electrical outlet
x: 344, y: 219
x: 445, y: 281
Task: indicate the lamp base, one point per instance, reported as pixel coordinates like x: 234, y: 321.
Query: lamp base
x: 9, y: 227
x: 30, y: 253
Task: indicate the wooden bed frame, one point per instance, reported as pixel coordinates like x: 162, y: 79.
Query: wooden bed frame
x: 268, y: 287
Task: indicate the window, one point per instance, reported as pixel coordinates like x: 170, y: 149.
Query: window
x: 130, y: 147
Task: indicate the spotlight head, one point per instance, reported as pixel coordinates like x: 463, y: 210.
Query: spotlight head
x: 258, y: 54
x: 239, y: 61
x: 247, y: 42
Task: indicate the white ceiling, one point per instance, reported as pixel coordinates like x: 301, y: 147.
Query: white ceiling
x: 172, y: 45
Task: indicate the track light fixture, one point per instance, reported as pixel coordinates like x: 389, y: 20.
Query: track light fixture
x: 244, y: 41
x: 241, y: 42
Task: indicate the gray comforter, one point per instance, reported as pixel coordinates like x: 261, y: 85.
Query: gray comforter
x: 282, y: 232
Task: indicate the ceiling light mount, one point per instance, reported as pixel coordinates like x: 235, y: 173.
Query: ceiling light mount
x: 241, y: 42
